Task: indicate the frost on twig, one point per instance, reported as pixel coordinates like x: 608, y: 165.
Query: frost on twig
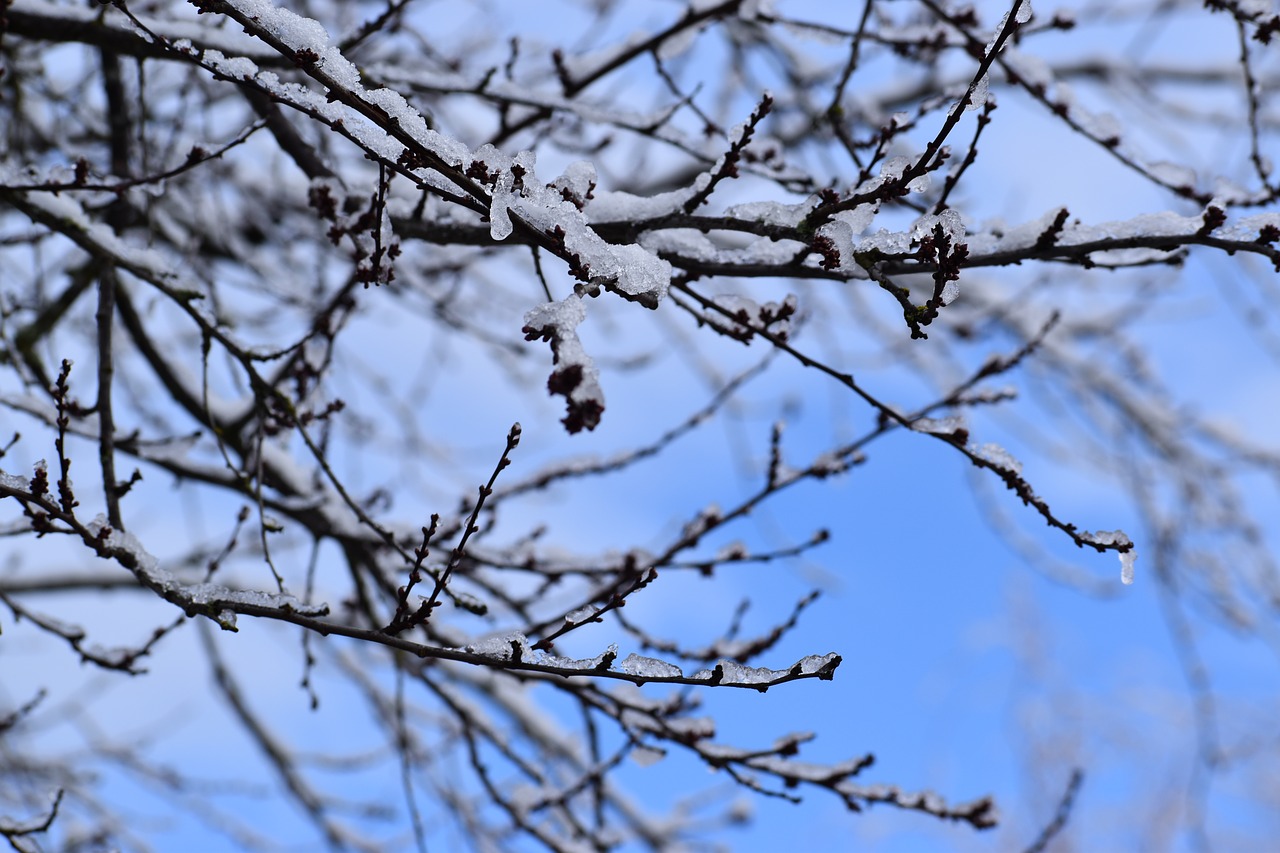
x: 515, y: 649
x: 218, y: 602
x: 575, y: 376
x: 1121, y: 542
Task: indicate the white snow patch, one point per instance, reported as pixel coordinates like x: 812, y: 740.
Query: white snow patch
x: 998, y: 457
x: 644, y: 667
x: 647, y: 756
x: 939, y: 426
x: 1127, y: 559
